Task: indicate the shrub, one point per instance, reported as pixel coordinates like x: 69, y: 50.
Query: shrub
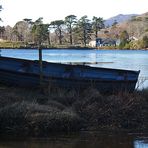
x: 34, y: 119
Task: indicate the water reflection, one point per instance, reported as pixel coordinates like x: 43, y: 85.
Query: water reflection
x: 82, y: 140
x: 141, y: 143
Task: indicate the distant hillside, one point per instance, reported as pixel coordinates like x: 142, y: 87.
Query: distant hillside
x: 119, y: 18
x: 137, y: 26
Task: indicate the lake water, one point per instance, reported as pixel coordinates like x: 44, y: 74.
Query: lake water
x: 80, y: 140
x: 120, y: 59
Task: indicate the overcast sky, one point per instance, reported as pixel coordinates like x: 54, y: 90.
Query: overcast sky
x: 16, y: 10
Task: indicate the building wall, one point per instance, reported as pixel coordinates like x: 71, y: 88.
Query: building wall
x: 92, y: 43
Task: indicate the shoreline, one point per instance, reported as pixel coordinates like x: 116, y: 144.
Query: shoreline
x: 52, y: 48
x: 71, y: 48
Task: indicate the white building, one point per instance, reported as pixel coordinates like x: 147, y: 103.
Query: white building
x: 92, y: 43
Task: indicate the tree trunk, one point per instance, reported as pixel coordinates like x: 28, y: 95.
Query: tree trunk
x: 70, y: 36
x: 84, y: 36
x: 60, y: 37
x: 96, y: 34
x: 40, y: 65
x: 49, y: 42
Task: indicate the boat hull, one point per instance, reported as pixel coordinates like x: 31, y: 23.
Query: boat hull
x: 33, y: 80
x: 108, y: 81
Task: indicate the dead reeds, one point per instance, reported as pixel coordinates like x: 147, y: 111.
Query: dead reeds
x: 29, y: 112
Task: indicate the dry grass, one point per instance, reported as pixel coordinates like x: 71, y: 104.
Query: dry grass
x: 122, y: 110
x: 30, y: 112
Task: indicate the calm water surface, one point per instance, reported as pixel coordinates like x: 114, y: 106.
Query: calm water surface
x: 81, y: 140
x: 124, y: 59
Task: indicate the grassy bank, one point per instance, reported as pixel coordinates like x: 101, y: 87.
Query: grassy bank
x: 29, y: 112
x: 23, y: 45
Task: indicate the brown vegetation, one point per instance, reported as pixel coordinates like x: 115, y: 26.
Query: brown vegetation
x: 29, y: 112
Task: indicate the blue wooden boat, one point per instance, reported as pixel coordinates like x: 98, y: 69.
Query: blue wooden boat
x: 26, y: 73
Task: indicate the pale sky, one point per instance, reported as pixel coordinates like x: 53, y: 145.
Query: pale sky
x: 16, y: 10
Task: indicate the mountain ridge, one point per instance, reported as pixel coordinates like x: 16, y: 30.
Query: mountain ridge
x: 136, y: 27
x: 119, y: 19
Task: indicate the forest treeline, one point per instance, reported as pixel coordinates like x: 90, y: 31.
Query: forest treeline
x: 69, y: 31
x: 73, y: 32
